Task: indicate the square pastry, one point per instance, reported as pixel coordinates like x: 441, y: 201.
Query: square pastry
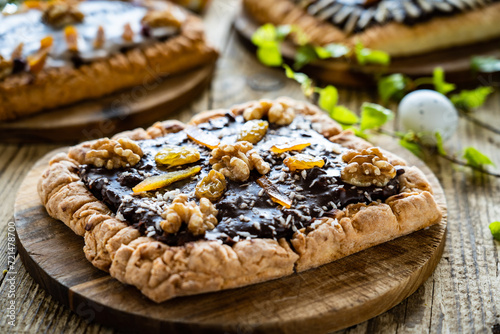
x: 234, y: 197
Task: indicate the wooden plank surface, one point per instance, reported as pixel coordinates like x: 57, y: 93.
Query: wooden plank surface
x: 463, y: 294
x: 334, y: 296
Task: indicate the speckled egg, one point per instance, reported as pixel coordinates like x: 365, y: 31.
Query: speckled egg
x: 427, y: 112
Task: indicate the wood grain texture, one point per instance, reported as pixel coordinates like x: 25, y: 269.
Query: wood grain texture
x: 103, y: 117
x: 331, y: 297
x: 455, y: 62
x: 461, y: 296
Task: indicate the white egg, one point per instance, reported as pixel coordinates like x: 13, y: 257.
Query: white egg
x: 427, y: 112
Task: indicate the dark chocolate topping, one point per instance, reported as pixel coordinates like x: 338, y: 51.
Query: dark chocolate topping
x: 357, y: 15
x: 245, y: 210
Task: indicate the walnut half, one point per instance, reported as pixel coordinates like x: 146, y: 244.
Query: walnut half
x: 367, y: 167
x: 166, y: 18
x: 59, y: 14
x: 199, y: 218
x: 110, y: 153
x: 277, y: 112
x: 235, y: 161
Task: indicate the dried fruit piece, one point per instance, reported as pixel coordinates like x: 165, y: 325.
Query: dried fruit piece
x: 177, y: 155
x: 163, y: 180
x: 46, y: 42
x: 303, y: 161
x: 18, y: 52
x: 253, y: 131
x: 100, y: 38
x: 71, y: 36
x: 36, y: 62
x: 273, y: 192
x: 211, y: 186
x: 128, y: 33
x: 293, y: 146
x: 202, y: 138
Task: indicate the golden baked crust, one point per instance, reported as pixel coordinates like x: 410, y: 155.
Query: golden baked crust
x: 23, y: 94
x: 162, y: 272
x: 394, y: 38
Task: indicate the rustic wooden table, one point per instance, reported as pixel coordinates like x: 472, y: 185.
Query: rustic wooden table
x: 463, y: 294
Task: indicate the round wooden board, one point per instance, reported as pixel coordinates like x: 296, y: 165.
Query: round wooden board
x: 331, y: 297
x: 103, y: 117
x: 456, y: 62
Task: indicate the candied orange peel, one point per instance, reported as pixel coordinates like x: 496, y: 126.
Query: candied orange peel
x: 303, y: 161
x: 46, y: 42
x: 36, y: 62
x: 100, y: 38
x: 18, y: 52
x: 201, y: 137
x: 253, y: 131
x: 177, y: 155
x: 71, y: 35
x: 128, y: 33
x: 163, y: 180
x: 274, y: 193
x: 293, y: 146
x: 211, y: 186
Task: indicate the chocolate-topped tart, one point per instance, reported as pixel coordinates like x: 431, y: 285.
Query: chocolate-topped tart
x: 232, y: 198
x: 399, y: 27
x: 63, y: 52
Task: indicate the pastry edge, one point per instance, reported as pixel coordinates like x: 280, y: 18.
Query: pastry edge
x: 163, y: 272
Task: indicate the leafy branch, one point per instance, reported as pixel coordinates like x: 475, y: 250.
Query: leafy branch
x: 396, y: 86
x: 269, y: 38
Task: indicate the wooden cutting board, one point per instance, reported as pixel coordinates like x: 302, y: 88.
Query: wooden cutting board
x: 124, y: 110
x: 456, y: 62
x: 331, y: 297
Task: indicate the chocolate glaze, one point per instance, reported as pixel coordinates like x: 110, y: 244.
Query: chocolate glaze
x: 357, y: 15
x: 245, y: 210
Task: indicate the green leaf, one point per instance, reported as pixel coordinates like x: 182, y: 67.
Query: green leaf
x: 328, y: 98
x: 476, y: 158
x: 485, y: 64
x: 300, y: 36
x: 374, y: 116
x: 439, y: 144
x: 265, y: 36
x: 332, y: 50
x: 304, y: 55
x: 469, y: 99
x: 412, y: 147
x: 440, y: 84
x: 343, y: 115
x: 306, y: 83
x: 495, y: 230
x: 270, y: 55
x: 369, y: 56
x: 392, y: 86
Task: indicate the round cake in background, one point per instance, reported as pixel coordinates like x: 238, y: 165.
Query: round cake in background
x: 418, y: 35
